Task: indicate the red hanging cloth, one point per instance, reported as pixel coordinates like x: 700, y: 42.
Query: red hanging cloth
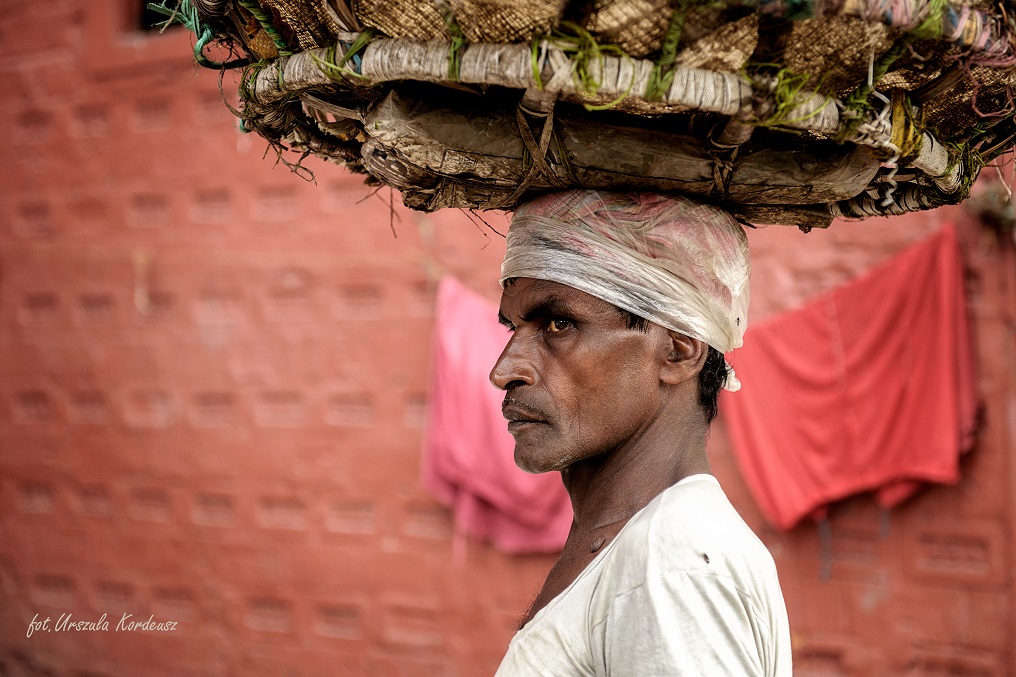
x: 868, y: 388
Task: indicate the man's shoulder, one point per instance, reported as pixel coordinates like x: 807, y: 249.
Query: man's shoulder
x: 691, y: 584
x: 691, y: 527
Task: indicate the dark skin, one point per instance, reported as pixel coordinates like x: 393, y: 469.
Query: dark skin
x: 614, y: 409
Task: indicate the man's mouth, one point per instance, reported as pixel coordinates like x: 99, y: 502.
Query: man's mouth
x: 515, y: 427
x: 519, y: 415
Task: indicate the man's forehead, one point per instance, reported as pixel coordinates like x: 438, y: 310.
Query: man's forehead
x: 523, y: 295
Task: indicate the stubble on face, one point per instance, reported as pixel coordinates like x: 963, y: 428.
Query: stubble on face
x: 578, y: 381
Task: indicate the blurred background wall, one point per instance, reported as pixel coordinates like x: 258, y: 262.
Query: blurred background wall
x: 213, y: 377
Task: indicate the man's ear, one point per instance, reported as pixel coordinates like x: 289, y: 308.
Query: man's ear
x: 684, y: 359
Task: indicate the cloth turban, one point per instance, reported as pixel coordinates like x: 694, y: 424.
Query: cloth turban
x: 676, y: 262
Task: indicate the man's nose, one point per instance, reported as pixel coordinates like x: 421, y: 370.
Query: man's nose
x: 514, y: 367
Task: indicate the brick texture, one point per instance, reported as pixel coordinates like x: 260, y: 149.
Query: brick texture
x: 213, y: 377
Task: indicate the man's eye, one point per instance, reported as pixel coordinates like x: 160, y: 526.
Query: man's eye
x: 558, y: 325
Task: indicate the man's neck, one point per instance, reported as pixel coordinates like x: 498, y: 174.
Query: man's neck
x: 606, y: 491
x: 614, y: 486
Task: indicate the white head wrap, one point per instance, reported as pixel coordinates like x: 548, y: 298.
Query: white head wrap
x: 676, y: 262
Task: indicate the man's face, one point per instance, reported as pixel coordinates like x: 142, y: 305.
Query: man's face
x: 578, y: 381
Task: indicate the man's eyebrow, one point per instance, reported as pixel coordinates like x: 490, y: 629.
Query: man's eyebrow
x: 551, y: 306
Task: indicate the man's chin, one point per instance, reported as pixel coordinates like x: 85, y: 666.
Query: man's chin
x: 538, y: 463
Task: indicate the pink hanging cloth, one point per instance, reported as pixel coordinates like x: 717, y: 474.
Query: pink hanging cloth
x: 468, y: 459
x: 867, y: 388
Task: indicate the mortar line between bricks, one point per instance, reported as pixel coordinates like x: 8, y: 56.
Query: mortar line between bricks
x: 205, y: 256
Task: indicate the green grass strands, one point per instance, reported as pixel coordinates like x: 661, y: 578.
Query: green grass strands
x: 246, y: 92
x: 182, y: 13
x: 663, y: 72
x: 186, y: 15
x: 455, y: 47
x: 931, y: 27
x: 357, y: 46
x: 263, y: 18
x: 788, y: 86
x: 785, y: 91
x: 583, y: 50
x: 335, y: 67
x: 253, y: 111
x: 624, y: 95
x: 535, y: 57
x: 970, y: 161
x: 856, y: 103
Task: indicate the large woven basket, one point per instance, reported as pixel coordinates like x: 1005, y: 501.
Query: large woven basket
x: 782, y: 111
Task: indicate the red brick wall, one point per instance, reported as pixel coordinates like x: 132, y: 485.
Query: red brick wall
x: 212, y: 380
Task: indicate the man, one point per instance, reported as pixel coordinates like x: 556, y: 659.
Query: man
x: 621, y: 307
